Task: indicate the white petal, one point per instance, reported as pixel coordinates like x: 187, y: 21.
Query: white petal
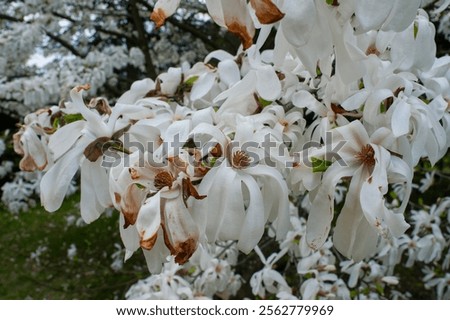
x: 130, y: 238
x: 164, y: 9
x: 400, y: 118
x: 402, y: 15
x: 229, y: 72
x: 202, y: 86
x: 371, y: 14
x: 253, y: 226
x: 355, y: 101
x: 149, y: 218
x: 267, y: 83
x: 90, y: 207
x: 299, y: 21
x: 56, y: 181
x: 64, y: 138
x: 322, y: 212
x: 137, y: 91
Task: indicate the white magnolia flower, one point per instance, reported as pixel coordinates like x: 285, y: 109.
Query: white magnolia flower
x: 243, y: 192
x: 364, y: 215
x: 268, y: 279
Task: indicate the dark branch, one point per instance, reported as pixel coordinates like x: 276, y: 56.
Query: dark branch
x: 142, y: 39
x: 6, y: 17
x: 64, y: 43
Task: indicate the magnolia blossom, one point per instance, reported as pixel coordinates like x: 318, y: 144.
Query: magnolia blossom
x: 364, y: 215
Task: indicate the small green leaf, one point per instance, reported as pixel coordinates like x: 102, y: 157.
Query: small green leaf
x: 329, y: 2
x: 191, y: 80
x: 72, y: 117
x: 361, y: 84
x: 140, y: 186
x: 320, y: 165
x: 380, y: 289
x: 263, y: 103
x: 318, y: 71
x: 210, y: 162
x: 192, y: 270
x: 416, y: 29
x: 55, y: 124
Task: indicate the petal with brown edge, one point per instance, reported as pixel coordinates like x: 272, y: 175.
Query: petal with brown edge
x: 163, y: 9
x: 266, y: 11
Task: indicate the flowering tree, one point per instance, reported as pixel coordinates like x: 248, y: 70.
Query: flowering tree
x: 202, y: 161
x: 106, y: 43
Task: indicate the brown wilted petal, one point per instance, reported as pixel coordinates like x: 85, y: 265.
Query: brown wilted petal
x: 101, y: 105
x: 184, y: 250
x: 27, y: 164
x: 216, y: 151
x: 17, y: 144
x: 94, y: 150
x: 148, y: 244
x: 86, y: 87
x: 242, y: 32
x: 266, y: 11
x: 131, y: 204
x: 158, y: 16
x: 189, y: 190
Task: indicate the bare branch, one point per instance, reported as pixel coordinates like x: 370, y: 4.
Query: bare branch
x: 64, y: 43
x: 139, y: 25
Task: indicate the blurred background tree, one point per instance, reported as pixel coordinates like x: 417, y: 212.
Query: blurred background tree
x: 47, y: 47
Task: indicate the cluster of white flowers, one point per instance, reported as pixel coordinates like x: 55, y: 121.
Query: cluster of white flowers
x: 208, y: 274
x: 341, y: 110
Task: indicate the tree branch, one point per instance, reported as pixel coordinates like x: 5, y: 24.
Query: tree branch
x: 139, y: 25
x: 6, y: 17
x: 64, y: 43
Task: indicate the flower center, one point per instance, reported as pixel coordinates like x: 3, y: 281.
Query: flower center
x: 372, y: 49
x: 240, y: 160
x: 163, y: 179
x: 366, y: 156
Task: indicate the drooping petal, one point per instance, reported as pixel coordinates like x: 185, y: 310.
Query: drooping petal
x: 348, y: 237
x: 322, y: 212
x: 365, y: 13
x: 400, y: 118
x: 130, y: 238
x: 299, y: 21
x: 90, y: 206
x: 253, y: 226
x: 402, y: 15
x: 280, y: 194
x: 149, y: 221
x: 180, y: 230
x: 56, y: 181
x: 35, y: 156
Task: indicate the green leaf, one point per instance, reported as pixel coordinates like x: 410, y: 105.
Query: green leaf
x: 416, y: 29
x: 72, y: 117
x: 263, y: 103
x: 380, y: 289
x: 320, y: 165
x: 329, y: 2
x: 318, y: 71
x: 191, y: 80
x: 140, y: 186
